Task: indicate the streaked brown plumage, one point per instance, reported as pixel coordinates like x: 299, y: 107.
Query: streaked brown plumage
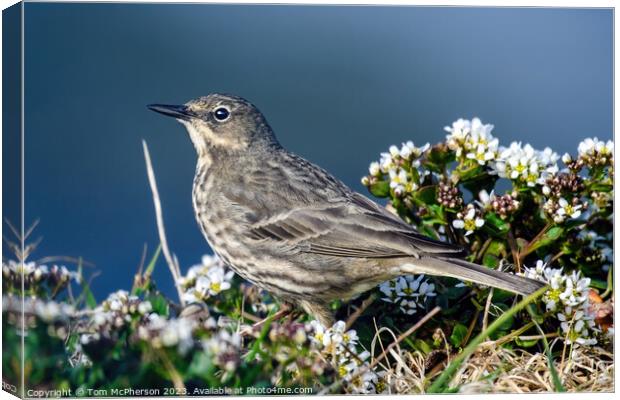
x: 292, y: 228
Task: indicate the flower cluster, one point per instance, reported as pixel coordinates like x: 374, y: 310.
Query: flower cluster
x: 472, y: 140
x: 115, y: 312
x: 408, y: 292
x: 160, y: 331
x: 401, y: 166
x: 206, y: 279
x: 525, y: 165
x: 448, y: 195
x: 56, y: 276
x: 558, y: 188
x: 340, y: 348
x: 562, y: 184
x: 225, y: 349
x: 596, y: 153
x: 568, y: 298
x: 504, y: 205
x: 48, y: 311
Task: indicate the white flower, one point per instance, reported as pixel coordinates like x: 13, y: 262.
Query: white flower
x: 362, y: 384
x: 469, y: 222
x: 394, y: 152
x: 318, y: 332
x: 592, y: 146
x: 566, y: 158
x: 566, y: 210
x: 386, y: 162
x: 408, y: 306
x: 163, y: 332
x: 40, y: 272
x: 524, y: 164
x: 408, y: 292
x: 486, y: 198
x: 410, y: 150
x: 389, y: 289
x: 206, y: 279
x: 400, y: 183
x: 482, y: 154
x: 379, y: 382
x: 50, y: 311
x: 569, y: 297
x: 334, y: 340
x: 374, y: 169
x: 472, y: 139
x: 457, y: 135
x: 145, y: 307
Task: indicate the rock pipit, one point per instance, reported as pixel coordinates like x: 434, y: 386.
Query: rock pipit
x: 293, y: 229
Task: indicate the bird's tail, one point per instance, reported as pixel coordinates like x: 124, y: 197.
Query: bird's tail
x: 465, y: 270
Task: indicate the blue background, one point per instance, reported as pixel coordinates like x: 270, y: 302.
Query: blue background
x: 337, y: 84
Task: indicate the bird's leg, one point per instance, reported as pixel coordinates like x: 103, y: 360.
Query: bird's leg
x: 285, y: 309
x: 319, y: 311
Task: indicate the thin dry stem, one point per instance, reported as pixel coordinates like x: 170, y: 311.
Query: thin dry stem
x: 172, y: 264
x: 487, y: 308
x: 389, y: 349
x: 353, y: 317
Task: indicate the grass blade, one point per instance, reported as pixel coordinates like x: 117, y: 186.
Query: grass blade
x: 441, y: 383
x: 151, y: 266
x: 555, y: 378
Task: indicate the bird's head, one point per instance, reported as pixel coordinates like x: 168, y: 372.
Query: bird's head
x: 220, y: 123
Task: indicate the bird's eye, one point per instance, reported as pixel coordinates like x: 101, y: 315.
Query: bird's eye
x: 221, y: 114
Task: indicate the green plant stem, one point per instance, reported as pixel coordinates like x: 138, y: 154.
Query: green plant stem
x: 441, y: 383
x: 610, y: 283
x: 528, y: 249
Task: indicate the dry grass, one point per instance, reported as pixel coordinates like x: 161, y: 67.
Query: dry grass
x: 500, y: 370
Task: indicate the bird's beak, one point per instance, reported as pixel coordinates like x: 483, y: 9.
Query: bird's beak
x: 178, y: 112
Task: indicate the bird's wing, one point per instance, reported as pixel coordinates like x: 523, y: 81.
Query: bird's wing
x: 289, y: 201
x: 355, y: 227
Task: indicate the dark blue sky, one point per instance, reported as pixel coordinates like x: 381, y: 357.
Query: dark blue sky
x: 337, y: 84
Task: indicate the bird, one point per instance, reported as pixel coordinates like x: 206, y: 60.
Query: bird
x: 292, y: 228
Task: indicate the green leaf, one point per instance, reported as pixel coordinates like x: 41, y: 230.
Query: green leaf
x: 552, y: 234
x: 493, y: 253
x: 500, y: 295
x: 159, y: 304
x: 437, y: 158
x: 601, y: 187
x: 526, y: 343
x: 451, y: 292
x: 490, y: 260
x: 380, y: 188
x: 422, y: 346
x: 427, y: 194
x: 493, y: 220
x: 428, y: 231
x: 458, y: 335
x: 91, y: 302
x: 415, y: 175
x: 438, y: 212
x: 598, y: 283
